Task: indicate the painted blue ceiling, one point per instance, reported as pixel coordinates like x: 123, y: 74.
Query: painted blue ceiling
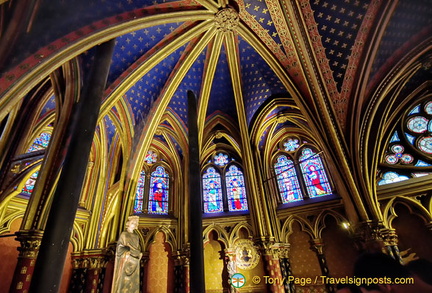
x: 109, y: 128
x: 192, y: 81
x: 222, y: 94
x: 55, y: 19
x: 132, y: 46
x: 409, y: 18
x: 260, y: 12
x: 144, y: 93
x: 338, y: 24
x: 259, y: 80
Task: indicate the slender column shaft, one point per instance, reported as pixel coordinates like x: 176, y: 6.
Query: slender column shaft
x: 53, y: 250
x: 197, y: 284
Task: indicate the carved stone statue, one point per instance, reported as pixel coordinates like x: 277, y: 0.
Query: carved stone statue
x: 127, y: 261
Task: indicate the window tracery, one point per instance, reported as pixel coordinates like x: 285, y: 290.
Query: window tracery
x: 409, y: 151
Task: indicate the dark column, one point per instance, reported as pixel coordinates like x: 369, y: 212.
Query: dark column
x: 53, y: 250
x: 195, y: 205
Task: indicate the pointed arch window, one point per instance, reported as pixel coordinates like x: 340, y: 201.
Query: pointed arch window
x: 158, y: 196
x: 288, y: 183
x: 236, y: 190
x: 409, y: 150
x: 223, y: 186
x: 300, y: 172
x: 212, y: 189
x: 153, y: 187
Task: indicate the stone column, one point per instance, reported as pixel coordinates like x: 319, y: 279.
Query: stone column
x: 285, y: 266
x: 272, y: 266
x: 390, y: 239
x: 29, y: 247
x: 65, y: 200
x: 317, y: 245
x: 195, y: 201
x: 179, y: 273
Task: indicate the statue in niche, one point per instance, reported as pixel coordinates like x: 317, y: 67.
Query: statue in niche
x: 127, y: 261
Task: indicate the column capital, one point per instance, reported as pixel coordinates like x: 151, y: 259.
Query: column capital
x: 369, y: 235
x: 30, y: 241
x: 318, y: 245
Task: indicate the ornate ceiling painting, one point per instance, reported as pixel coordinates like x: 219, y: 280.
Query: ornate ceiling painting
x: 312, y: 55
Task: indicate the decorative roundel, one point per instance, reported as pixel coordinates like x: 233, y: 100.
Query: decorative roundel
x: 391, y: 159
x: 425, y: 144
x: 247, y: 256
x: 407, y: 159
x: 397, y: 148
x: 428, y: 108
x: 417, y: 124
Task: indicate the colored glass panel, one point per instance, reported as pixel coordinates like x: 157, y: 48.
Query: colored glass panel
x: 288, y: 184
x: 314, y: 174
x: 236, y: 190
x: 425, y: 144
x: 395, y: 137
x: 139, y: 195
x: 150, y: 158
x: 159, y: 188
x: 292, y: 144
x: 417, y: 124
x: 391, y: 177
x: 221, y: 159
x: 428, y: 108
x: 415, y: 110
x: 30, y: 183
x: 212, y: 191
x: 41, y: 142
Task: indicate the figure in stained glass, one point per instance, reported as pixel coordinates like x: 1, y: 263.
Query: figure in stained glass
x: 30, y: 183
x: 236, y: 189
x: 289, y: 186
x: 158, y: 199
x: 314, y: 174
x: 139, y: 195
x: 212, y: 191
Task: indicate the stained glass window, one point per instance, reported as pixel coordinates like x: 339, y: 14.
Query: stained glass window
x: 139, y: 195
x: 288, y: 183
x: 221, y: 159
x: 212, y: 189
x: 392, y: 177
x: 41, y: 142
x: 30, y: 183
x: 314, y: 174
x: 158, y: 195
x: 150, y: 158
x: 409, y: 150
x: 236, y: 190
x: 291, y: 144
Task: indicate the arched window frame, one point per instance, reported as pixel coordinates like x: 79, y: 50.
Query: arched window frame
x: 229, y: 201
x: 293, y: 151
x: 142, y: 201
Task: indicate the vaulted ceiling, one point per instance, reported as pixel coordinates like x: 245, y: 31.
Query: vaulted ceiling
x: 326, y: 57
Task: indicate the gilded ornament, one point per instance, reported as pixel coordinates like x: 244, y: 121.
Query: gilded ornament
x: 247, y: 256
x: 226, y: 19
